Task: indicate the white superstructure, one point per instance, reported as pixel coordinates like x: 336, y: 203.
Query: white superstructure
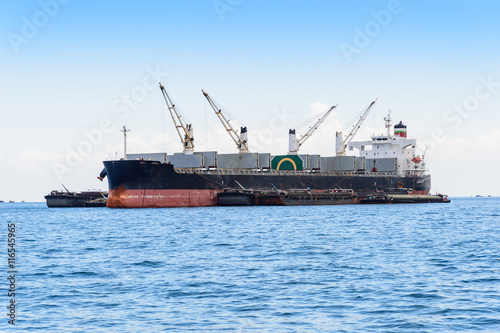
x: 394, y: 147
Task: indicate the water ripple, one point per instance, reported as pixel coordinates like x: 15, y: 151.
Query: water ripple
x: 389, y: 268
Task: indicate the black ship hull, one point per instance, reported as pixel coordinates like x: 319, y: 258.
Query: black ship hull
x: 137, y: 183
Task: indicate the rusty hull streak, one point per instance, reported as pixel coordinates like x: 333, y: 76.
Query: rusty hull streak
x: 116, y: 198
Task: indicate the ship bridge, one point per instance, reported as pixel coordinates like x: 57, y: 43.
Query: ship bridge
x: 394, y: 147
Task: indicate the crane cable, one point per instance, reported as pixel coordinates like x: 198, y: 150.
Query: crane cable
x: 310, y: 120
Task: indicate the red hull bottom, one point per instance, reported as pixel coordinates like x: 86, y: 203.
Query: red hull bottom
x: 122, y: 198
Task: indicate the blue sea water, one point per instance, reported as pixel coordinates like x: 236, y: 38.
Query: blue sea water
x: 362, y: 268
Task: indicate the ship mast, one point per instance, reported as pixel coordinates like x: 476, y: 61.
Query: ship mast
x: 241, y: 140
x: 388, y: 122
x: 125, y: 130
x: 294, y: 144
x: 188, y: 139
x: 341, y: 144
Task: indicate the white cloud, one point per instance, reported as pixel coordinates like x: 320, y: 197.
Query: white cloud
x: 33, y: 161
x: 461, y: 149
x: 466, y: 167
x: 490, y: 141
x: 318, y: 108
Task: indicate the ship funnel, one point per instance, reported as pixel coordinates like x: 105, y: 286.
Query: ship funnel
x: 400, y: 130
x: 292, y: 142
x: 243, y: 142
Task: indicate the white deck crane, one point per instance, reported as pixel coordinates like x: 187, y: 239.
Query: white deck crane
x: 294, y: 144
x: 241, y: 140
x: 341, y: 143
x: 187, y: 140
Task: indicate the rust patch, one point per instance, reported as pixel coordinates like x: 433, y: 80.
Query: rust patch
x: 117, y: 198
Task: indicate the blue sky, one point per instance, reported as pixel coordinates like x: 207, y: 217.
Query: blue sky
x: 257, y: 58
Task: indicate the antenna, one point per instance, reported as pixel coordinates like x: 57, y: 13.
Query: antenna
x: 388, y: 123
x: 124, y: 130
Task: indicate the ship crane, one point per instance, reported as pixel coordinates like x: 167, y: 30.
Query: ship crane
x: 294, y: 144
x: 187, y: 140
x: 341, y: 143
x: 241, y: 140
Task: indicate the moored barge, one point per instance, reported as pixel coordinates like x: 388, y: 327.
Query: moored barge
x: 76, y: 199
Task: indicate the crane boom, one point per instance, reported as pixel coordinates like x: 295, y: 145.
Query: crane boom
x: 188, y: 139
x: 239, y: 139
x: 341, y: 142
x: 294, y: 144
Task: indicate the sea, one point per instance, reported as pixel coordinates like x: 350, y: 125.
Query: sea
x: 355, y: 268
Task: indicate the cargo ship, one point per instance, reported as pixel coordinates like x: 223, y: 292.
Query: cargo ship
x: 192, y: 179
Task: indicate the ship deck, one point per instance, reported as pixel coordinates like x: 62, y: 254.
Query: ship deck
x: 318, y: 173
